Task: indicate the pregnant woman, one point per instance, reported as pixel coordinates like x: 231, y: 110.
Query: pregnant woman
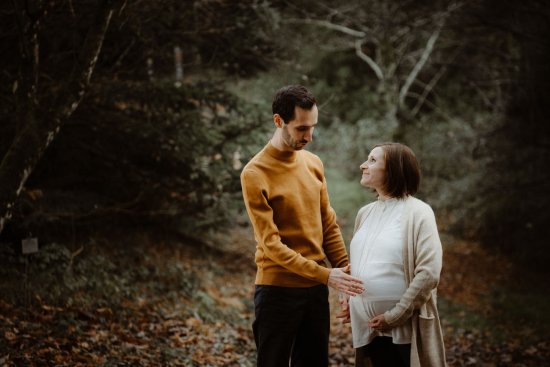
x: 397, y: 253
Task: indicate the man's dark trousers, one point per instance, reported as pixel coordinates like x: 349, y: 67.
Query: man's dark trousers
x: 291, y: 324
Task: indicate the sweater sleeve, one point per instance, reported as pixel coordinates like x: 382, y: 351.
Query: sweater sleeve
x: 333, y: 243
x: 267, y: 233
x: 427, y: 266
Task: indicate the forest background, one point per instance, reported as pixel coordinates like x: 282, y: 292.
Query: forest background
x: 124, y: 126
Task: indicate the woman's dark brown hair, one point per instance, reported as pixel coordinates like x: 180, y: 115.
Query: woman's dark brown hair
x: 402, y: 170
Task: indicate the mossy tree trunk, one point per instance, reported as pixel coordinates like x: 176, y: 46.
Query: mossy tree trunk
x: 39, y: 122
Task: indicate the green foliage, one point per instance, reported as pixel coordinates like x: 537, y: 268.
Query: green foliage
x: 234, y: 36
x: 516, y: 313
x: 480, y: 129
x: 524, y: 307
x: 145, y: 154
x: 44, y: 270
x: 142, y: 149
x: 88, y: 278
x: 460, y: 316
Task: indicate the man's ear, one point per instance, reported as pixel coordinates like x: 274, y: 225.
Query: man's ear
x: 278, y: 120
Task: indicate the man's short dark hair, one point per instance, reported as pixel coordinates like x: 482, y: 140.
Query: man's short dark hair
x: 290, y: 96
x: 402, y: 170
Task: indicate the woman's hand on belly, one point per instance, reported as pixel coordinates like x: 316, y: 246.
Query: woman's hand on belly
x: 344, y: 313
x: 379, y: 323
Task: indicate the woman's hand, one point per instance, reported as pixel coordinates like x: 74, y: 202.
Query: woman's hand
x: 379, y: 323
x: 343, y: 299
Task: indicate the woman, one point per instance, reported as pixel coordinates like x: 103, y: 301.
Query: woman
x: 397, y: 253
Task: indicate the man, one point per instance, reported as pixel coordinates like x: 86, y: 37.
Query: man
x: 285, y: 193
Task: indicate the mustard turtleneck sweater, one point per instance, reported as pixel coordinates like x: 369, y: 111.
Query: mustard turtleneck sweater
x: 295, y: 227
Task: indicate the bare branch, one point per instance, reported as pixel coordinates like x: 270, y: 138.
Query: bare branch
x: 433, y: 106
x: 419, y: 65
x: 429, y: 87
x: 427, y: 90
x: 427, y: 52
x: 346, y: 30
x: 328, y: 25
x: 373, y: 65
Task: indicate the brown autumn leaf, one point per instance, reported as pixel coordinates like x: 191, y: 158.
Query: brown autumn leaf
x: 193, y: 322
x: 105, y: 310
x: 10, y: 336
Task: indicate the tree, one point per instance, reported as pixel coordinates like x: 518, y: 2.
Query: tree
x: 129, y: 47
x: 463, y: 83
x: 396, y: 40
x: 515, y: 214
x: 37, y: 121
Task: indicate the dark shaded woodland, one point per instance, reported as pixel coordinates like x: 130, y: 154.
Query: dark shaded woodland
x: 124, y: 126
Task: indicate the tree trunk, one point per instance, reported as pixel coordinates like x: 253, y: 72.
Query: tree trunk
x: 37, y: 130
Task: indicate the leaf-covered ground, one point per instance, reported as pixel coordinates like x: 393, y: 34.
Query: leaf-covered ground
x: 192, y: 306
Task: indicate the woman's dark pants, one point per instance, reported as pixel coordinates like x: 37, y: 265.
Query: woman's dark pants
x: 383, y: 353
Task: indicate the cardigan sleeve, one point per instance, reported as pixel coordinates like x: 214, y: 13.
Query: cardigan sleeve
x: 426, y: 263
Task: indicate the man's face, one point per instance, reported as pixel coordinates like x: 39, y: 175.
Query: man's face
x: 299, y: 132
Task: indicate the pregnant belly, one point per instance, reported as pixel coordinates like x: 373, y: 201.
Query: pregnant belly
x: 383, y: 289
x: 383, y: 281
x: 374, y: 308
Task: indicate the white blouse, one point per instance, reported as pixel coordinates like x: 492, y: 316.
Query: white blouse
x: 376, y: 257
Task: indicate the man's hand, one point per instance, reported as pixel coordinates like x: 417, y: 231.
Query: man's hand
x: 344, y: 308
x: 339, y: 280
x: 379, y: 323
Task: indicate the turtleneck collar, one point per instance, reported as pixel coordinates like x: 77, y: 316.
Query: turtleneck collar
x: 286, y: 156
x: 390, y: 200
x: 387, y: 199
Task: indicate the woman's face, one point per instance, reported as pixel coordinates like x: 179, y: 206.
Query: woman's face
x: 374, y: 170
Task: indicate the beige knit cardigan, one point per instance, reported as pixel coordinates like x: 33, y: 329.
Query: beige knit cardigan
x: 422, y: 257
